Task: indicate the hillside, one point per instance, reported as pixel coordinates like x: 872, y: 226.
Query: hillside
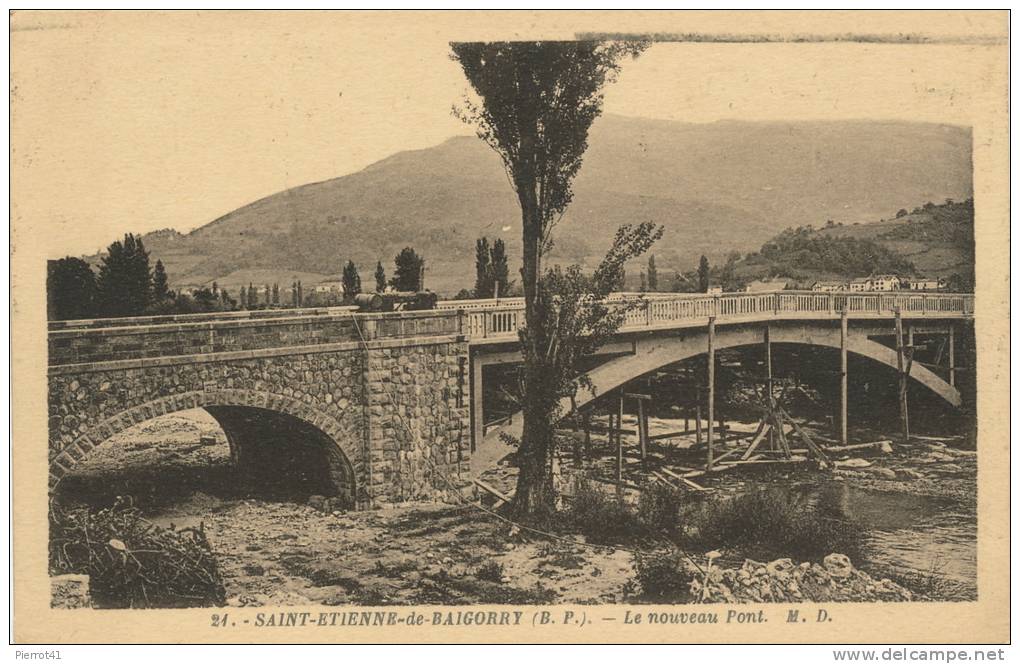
x: 715, y: 187
x: 932, y: 241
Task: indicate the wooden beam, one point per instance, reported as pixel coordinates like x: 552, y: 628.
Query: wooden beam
x: 901, y: 368
x: 952, y: 356
x: 760, y: 436
x: 619, y: 453
x: 858, y: 446
x: 642, y: 430
x: 685, y: 480
x: 492, y: 490
x: 711, y: 389
x: 843, y: 376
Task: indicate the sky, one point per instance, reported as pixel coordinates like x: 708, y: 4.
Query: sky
x: 141, y: 121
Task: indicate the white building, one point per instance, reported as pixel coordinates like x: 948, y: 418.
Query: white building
x: 329, y: 287
x: 885, y: 282
x: 765, y: 285
x: 829, y: 286
x: 860, y: 284
x: 923, y: 284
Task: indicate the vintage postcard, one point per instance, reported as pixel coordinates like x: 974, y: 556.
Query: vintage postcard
x: 519, y: 327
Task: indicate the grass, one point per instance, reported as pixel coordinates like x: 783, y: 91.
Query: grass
x: 664, y: 576
x: 769, y: 523
x: 601, y: 518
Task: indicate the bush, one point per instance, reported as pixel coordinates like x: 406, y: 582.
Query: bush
x: 772, y: 523
x: 665, y: 576
x: 490, y: 571
x: 602, y: 518
x: 132, y: 563
x: 659, y: 508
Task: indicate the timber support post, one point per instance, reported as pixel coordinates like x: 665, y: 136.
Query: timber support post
x: 842, y: 377
x: 619, y: 451
x: 711, y: 389
x: 901, y: 367
x: 768, y: 383
x: 697, y: 415
x: 952, y: 356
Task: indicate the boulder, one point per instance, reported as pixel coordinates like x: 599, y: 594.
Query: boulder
x: 884, y: 473
x: 838, y: 565
x: 780, y: 567
x: 852, y: 463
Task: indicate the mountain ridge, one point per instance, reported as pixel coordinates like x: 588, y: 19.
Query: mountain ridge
x: 716, y: 187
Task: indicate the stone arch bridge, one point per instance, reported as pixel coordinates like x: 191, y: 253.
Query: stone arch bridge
x: 388, y: 407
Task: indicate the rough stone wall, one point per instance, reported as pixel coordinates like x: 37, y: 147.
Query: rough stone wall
x: 324, y: 389
x: 407, y: 402
x: 418, y: 421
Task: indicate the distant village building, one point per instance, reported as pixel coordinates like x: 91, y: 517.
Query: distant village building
x: 885, y: 282
x: 829, y: 286
x: 923, y: 284
x: 860, y: 284
x: 330, y: 286
x: 766, y: 285
x: 714, y: 290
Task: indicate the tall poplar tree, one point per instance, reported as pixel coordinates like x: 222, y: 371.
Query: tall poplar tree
x: 537, y: 102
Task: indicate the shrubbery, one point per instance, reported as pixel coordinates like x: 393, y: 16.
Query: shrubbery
x: 601, y: 517
x: 665, y: 576
x: 659, y: 508
x: 770, y: 524
x: 132, y: 563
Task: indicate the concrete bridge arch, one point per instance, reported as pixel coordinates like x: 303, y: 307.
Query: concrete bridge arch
x: 655, y: 352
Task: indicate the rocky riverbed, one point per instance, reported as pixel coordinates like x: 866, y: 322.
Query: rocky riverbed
x: 281, y: 550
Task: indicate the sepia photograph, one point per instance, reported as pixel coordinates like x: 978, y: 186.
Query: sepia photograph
x: 608, y: 317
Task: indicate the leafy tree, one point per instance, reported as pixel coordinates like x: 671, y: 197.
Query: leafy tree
x: 500, y: 268
x: 160, y: 288
x: 243, y: 297
x: 380, y: 278
x: 276, y: 293
x: 653, y: 274
x: 703, y: 272
x: 253, y: 296
x: 227, y: 303
x: 492, y: 272
x: 902, y: 212
x: 643, y: 286
x: 409, y: 269
x: 204, y: 299
x: 124, y: 285
x: 70, y: 289
x: 538, y: 101
x: 351, y: 280
x: 300, y: 294
x: 483, y: 271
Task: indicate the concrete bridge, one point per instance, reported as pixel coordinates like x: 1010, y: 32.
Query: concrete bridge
x: 388, y: 407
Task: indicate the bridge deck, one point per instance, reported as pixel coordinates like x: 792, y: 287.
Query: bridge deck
x: 479, y: 321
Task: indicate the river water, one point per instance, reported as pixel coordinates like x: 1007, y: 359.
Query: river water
x: 908, y: 533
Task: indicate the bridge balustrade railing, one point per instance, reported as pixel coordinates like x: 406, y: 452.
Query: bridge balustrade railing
x: 680, y: 308
x: 84, y: 341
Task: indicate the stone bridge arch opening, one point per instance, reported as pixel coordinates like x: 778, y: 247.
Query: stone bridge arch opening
x: 281, y: 455
x: 254, y: 445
